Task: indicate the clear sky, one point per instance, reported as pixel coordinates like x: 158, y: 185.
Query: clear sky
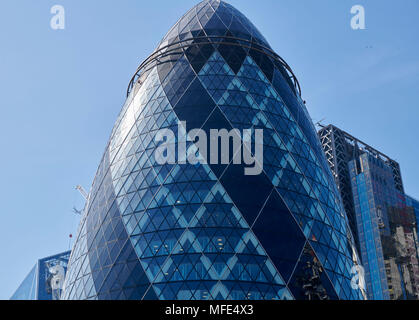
x: 61, y: 91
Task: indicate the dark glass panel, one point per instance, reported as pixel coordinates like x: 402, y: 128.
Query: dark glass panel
x: 280, y: 235
x: 309, y: 280
x: 264, y: 63
x: 241, y: 189
x: 215, y: 27
x: 233, y: 55
x: 195, y: 106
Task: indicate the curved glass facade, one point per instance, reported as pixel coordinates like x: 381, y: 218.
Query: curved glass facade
x: 208, y: 231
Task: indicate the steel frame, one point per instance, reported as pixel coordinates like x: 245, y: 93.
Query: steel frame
x: 173, y: 47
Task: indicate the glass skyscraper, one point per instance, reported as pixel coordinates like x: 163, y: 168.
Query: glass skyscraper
x: 208, y: 231
x: 385, y: 227
x: 45, y: 280
x: 371, y: 220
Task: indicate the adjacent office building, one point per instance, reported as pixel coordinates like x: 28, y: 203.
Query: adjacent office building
x: 413, y: 204
x: 207, y: 230
x: 45, y: 280
x: 382, y: 219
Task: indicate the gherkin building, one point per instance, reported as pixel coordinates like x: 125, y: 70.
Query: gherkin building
x: 208, y: 231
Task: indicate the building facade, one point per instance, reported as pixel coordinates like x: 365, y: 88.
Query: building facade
x: 206, y: 230
x: 412, y: 208
x: 45, y: 280
x: 413, y: 204
x: 371, y: 186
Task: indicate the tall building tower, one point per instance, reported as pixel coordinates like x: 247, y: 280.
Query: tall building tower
x: 45, y: 280
x: 371, y: 185
x: 205, y: 230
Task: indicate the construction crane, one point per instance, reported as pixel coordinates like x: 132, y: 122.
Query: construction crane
x: 319, y: 123
x: 82, y: 191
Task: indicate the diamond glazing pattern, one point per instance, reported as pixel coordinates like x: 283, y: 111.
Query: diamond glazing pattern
x: 182, y: 231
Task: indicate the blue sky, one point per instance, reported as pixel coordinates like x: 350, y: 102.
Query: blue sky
x: 61, y: 92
